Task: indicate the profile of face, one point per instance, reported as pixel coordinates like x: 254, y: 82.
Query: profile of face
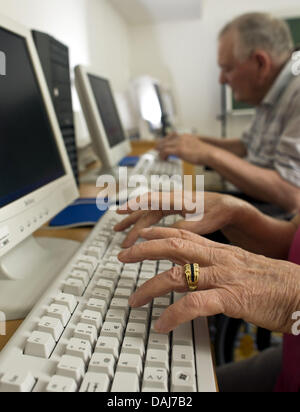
x: 248, y: 78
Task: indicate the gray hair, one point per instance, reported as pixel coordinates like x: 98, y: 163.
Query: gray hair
x: 261, y: 31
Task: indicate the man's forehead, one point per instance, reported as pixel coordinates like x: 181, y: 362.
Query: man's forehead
x: 226, y: 47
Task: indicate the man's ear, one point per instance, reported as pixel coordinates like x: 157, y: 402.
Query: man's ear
x: 263, y: 64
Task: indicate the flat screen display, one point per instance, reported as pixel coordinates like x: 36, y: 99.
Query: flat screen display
x: 107, y: 110
x: 29, y: 156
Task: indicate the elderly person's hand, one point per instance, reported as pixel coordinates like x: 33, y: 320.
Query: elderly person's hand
x: 219, y: 212
x: 186, y: 146
x: 232, y: 281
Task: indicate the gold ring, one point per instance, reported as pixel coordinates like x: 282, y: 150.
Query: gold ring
x: 192, y: 276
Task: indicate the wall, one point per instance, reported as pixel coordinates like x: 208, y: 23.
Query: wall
x: 184, y: 55
x: 93, y: 30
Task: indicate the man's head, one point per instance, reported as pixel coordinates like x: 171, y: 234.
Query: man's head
x: 252, y: 51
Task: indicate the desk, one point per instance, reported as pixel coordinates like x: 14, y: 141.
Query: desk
x: 80, y: 234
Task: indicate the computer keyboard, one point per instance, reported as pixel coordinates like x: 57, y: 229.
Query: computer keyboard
x: 152, y: 167
x: 82, y: 336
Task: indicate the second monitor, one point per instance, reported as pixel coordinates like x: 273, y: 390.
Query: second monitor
x: 108, y: 137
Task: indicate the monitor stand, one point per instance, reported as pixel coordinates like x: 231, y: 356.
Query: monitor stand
x: 28, y: 270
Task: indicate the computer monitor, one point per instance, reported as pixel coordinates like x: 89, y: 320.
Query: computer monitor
x: 36, y: 176
x: 153, y: 106
x: 106, y: 131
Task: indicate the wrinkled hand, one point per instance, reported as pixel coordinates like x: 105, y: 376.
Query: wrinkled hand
x: 232, y: 281
x: 219, y: 211
x: 186, y: 146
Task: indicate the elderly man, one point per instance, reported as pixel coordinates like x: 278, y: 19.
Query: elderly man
x: 256, y: 60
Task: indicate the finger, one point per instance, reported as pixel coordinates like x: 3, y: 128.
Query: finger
x: 145, y: 221
x: 129, y: 221
x: 173, y: 280
x: 160, y: 285
x: 176, y: 250
x: 174, y: 232
x: 191, y: 306
x: 142, y: 201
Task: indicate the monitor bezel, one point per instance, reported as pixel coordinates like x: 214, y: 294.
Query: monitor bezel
x: 22, y: 217
x: 109, y: 156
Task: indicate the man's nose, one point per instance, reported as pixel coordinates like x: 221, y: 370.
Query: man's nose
x: 223, y: 78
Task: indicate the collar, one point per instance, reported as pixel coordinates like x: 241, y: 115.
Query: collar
x: 280, y: 84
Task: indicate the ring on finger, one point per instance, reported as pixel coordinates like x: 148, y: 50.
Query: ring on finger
x: 191, y: 271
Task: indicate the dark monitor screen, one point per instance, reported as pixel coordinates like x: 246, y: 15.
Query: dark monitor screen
x: 107, y: 110
x: 29, y: 156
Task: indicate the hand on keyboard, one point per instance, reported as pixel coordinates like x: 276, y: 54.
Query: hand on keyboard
x: 218, y: 212
x: 83, y: 336
x: 232, y: 281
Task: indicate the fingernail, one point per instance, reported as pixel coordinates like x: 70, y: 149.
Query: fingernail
x: 131, y: 300
x: 122, y: 255
x: 159, y: 327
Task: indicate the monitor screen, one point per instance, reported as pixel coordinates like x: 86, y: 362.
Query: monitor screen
x: 107, y: 110
x: 29, y: 156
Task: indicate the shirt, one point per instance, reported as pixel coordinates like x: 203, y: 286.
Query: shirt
x: 273, y: 139
x: 289, y: 380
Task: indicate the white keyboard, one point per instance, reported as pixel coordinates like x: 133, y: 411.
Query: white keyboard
x: 150, y: 165
x: 83, y: 337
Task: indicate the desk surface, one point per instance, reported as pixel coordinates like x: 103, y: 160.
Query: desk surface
x: 80, y: 234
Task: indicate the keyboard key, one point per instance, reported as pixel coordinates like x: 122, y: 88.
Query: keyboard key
x: 80, y: 276
x: 71, y: 367
x: 91, y: 260
x: 51, y: 325
x: 60, y: 312
x: 40, y: 344
x: 67, y: 300
x: 100, y: 293
x: 95, y: 382
x: 95, y: 251
x: 61, y: 384
x: 74, y: 287
x: 97, y: 305
x: 102, y: 363
x: 17, y: 382
x: 122, y: 293
x: 116, y: 315
x: 162, y: 302
x: 183, y: 335
x: 125, y: 382
x: 106, y: 284
x: 183, y: 356
x: 106, y: 344
x: 130, y: 363
x: 119, y: 303
x: 79, y: 348
x: 87, y: 332
x: 155, y: 379
x: 159, y: 341
x: 157, y: 358
x: 113, y: 330
x: 138, y: 316
x: 91, y: 317
x: 136, y: 330
x: 183, y: 380
x: 133, y: 345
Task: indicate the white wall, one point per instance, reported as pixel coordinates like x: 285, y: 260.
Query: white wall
x: 93, y: 30
x: 184, y: 55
